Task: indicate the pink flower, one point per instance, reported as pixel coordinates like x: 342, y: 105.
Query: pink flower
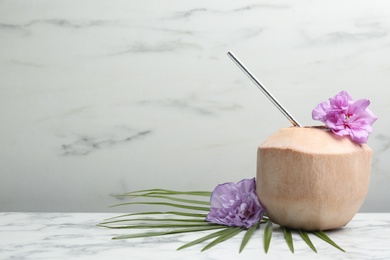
x: 235, y: 204
x: 345, y: 116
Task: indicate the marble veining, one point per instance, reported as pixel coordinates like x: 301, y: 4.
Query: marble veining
x: 87, y: 144
x: 100, y: 98
x: 191, y: 12
x: 195, y: 104
x: 76, y: 236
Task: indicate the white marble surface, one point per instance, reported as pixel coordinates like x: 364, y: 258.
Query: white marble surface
x: 103, y: 97
x: 75, y: 236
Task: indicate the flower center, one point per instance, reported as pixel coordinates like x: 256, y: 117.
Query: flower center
x: 347, y: 117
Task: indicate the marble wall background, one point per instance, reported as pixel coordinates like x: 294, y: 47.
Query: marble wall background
x: 103, y: 97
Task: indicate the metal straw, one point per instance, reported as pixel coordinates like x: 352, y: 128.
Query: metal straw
x: 263, y: 89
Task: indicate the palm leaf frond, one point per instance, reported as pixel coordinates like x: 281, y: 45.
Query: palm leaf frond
x: 231, y: 232
x: 170, y: 232
x: 288, y: 238
x: 164, y: 204
x: 205, y: 238
x: 248, y: 235
x: 267, y: 235
x: 324, y: 237
x: 306, y: 238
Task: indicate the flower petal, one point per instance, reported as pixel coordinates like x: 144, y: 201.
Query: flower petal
x: 340, y: 102
x: 320, y: 111
x: 368, y: 116
x: 358, y: 106
x: 344, y: 116
x: 235, y: 204
x: 360, y: 136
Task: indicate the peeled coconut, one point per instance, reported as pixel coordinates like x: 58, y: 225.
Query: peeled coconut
x: 311, y: 179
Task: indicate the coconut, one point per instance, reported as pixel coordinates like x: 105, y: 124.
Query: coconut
x: 311, y: 179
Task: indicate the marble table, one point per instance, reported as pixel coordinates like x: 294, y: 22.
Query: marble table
x: 76, y: 236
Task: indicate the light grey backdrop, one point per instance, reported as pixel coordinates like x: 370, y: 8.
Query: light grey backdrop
x: 103, y: 97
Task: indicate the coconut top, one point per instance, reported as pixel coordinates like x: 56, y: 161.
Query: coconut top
x: 312, y: 140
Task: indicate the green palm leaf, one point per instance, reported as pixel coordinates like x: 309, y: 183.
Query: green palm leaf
x: 192, y: 221
x: 170, y: 232
x: 154, y: 220
x: 144, y: 226
x: 165, y: 204
x: 168, y: 197
x: 176, y: 213
x: 267, y: 235
x: 248, y: 235
x: 172, y: 192
x: 202, y: 239
x: 231, y: 232
x: 306, y: 238
x: 324, y: 237
x: 288, y: 237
